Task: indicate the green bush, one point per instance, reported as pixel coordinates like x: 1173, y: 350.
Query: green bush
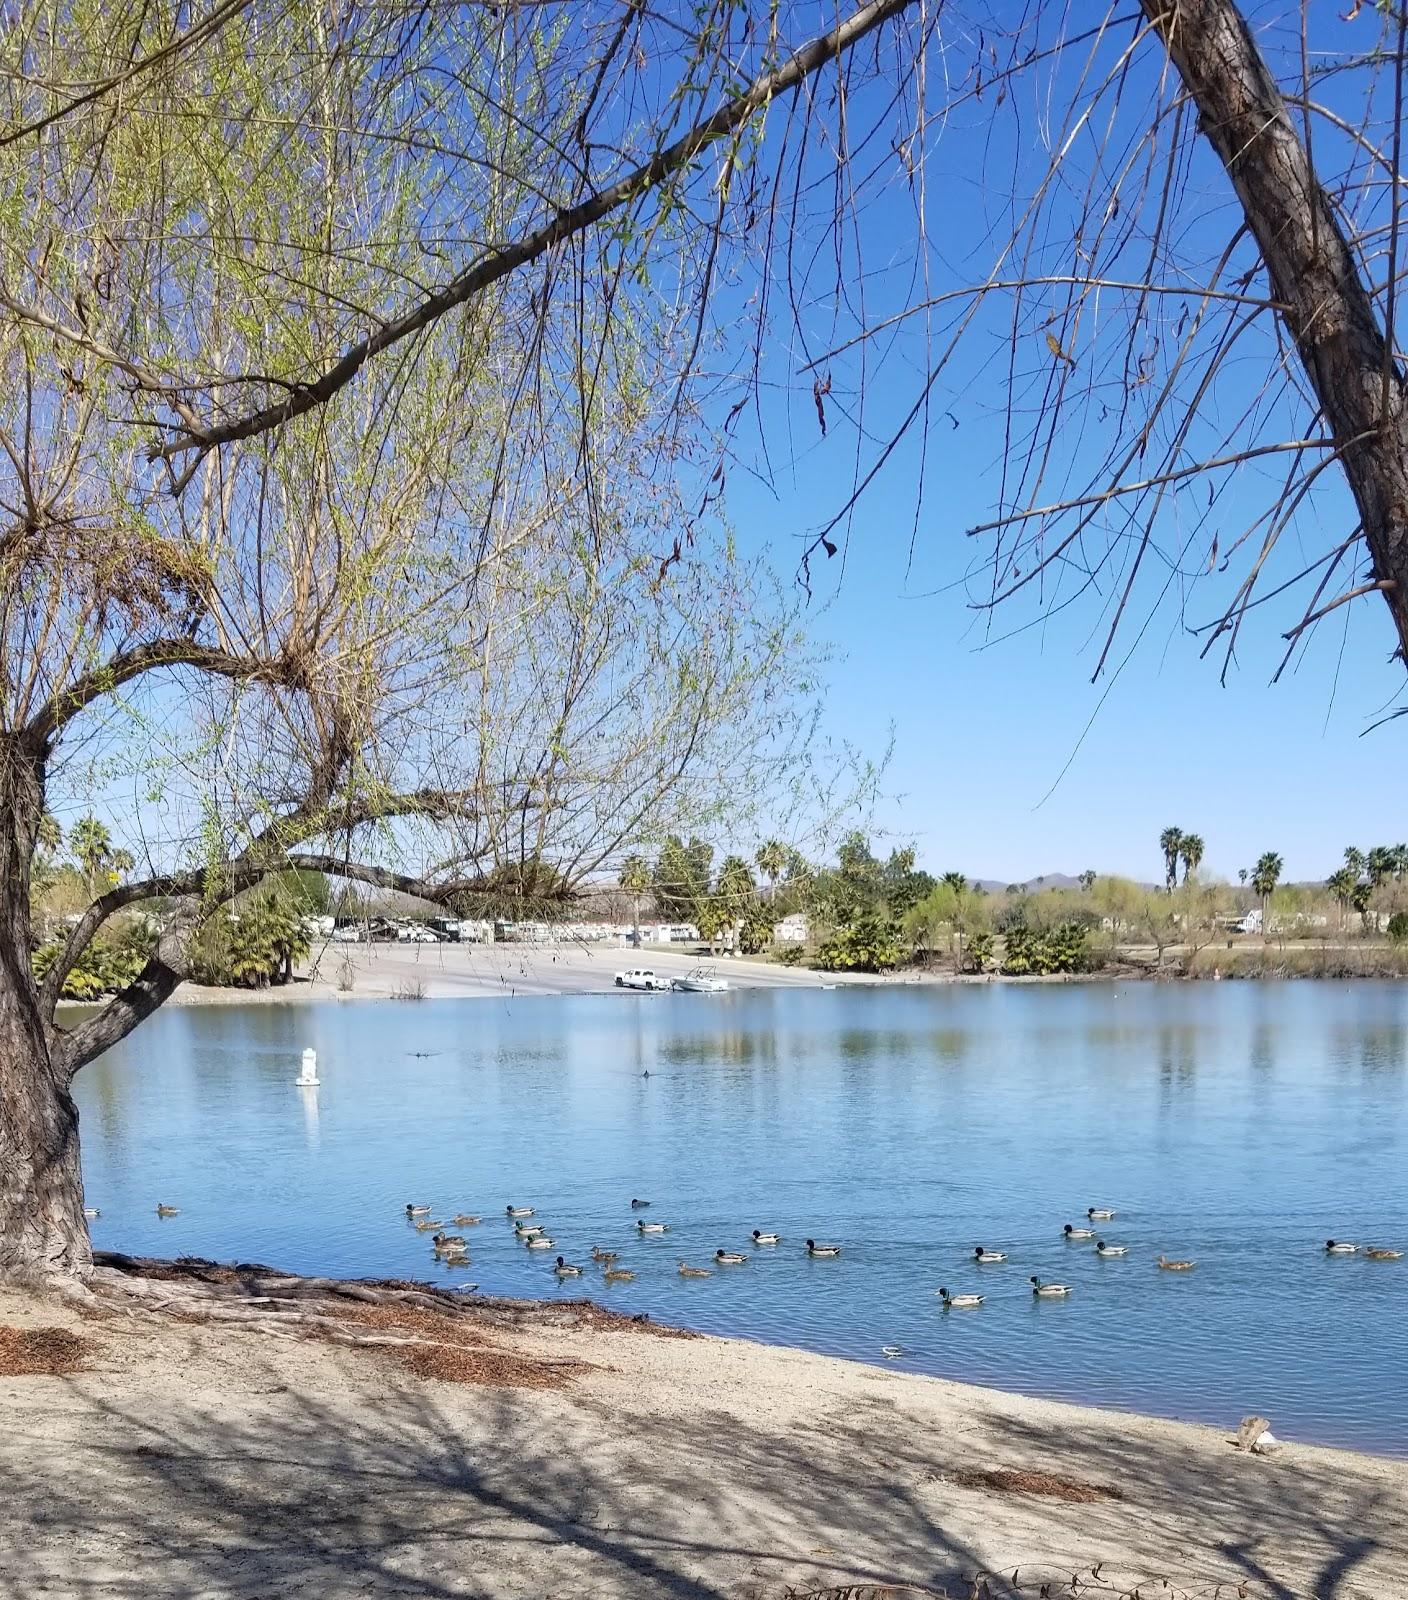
x: 1398, y: 926
x: 870, y: 944
x: 1065, y: 948
x: 252, y: 947
x: 107, y: 965
x: 790, y: 955
x: 978, y: 953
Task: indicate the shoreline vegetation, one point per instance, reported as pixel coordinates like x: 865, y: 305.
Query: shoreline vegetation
x: 859, y: 917
x: 568, y: 1449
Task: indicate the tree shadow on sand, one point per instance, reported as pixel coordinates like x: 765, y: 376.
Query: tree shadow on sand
x: 281, y: 1487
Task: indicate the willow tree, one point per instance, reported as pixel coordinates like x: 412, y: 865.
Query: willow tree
x: 354, y: 511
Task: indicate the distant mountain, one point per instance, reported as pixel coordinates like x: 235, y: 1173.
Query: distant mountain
x: 1052, y: 880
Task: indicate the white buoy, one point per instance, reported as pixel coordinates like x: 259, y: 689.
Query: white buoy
x: 308, y: 1076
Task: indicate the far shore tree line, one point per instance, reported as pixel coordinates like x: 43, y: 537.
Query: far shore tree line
x: 872, y: 914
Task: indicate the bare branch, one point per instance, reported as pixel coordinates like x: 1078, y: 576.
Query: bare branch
x: 499, y: 263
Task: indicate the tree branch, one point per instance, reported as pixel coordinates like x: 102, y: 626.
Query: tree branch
x: 497, y: 264
x: 122, y: 668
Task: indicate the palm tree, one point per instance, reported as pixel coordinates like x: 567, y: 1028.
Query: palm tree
x: 1266, y: 874
x: 1087, y: 879
x: 955, y: 881
x: 1171, y: 842
x: 49, y: 836
x: 1354, y: 861
x: 635, y: 880
x: 734, y: 891
x: 1379, y: 864
x: 770, y: 861
x: 91, y: 846
x: 1241, y: 874
x: 1190, y: 847
x: 1341, y: 883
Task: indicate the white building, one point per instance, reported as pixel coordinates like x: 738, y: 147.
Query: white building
x: 792, y: 929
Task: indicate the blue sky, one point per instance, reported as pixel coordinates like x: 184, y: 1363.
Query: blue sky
x: 1008, y: 761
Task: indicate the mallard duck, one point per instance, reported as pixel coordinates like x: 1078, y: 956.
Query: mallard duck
x: 606, y: 1257
x: 454, y: 1255
x: 760, y: 1237
x: 687, y: 1271
x: 1176, y: 1266
x: 1337, y: 1247
x: 729, y: 1258
x: 1049, y: 1291
x: 980, y: 1254
x: 961, y: 1302
x: 1100, y: 1214
x: 540, y: 1241
x: 653, y: 1227
x: 464, y: 1221
x: 639, y: 1205
x: 1377, y: 1252
x: 565, y: 1269
x: 519, y: 1211
x: 91, y: 1211
x: 618, y: 1275
x: 527, y: 1230
x: 1078, y: 1233
x: 815, y: 1249
x: 168, y: 1211
x: 417, y: 1211
x: 447, y: 1241
x: 1103, y: 1249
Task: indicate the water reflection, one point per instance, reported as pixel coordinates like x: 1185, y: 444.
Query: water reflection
x: 308, y: 1094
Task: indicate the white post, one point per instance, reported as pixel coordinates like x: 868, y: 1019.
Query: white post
x: 308, y: 1076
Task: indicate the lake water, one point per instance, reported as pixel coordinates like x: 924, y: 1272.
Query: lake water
x: 1241, y: 1124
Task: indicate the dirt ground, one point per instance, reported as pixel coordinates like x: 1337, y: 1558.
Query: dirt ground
x: 189, y: 1460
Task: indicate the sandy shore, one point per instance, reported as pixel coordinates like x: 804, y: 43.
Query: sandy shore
x: 201, y: 1462
x: 467, y: 972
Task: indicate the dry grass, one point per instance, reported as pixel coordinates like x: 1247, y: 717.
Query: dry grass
x: 40, y: 1352
x: 1044, y: 1485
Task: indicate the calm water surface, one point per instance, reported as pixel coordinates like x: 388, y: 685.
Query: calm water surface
x: 1241, y: 1124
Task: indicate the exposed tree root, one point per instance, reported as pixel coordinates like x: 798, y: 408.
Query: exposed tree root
x: 433, y: 1332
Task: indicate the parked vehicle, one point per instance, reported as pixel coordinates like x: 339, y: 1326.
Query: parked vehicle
x: 347, y: 935
x: 416, y: 933
x: 641, y: 978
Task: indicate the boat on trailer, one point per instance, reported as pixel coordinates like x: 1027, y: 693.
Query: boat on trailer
x: 702, y: 980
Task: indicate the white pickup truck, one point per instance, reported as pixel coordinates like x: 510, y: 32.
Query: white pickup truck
x: 641, y: 978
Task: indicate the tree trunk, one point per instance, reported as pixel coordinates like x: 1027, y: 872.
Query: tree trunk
x: 42, y: 1231
x: 1328, y: 311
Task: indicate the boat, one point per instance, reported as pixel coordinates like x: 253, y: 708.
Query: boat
x: 702, y: 980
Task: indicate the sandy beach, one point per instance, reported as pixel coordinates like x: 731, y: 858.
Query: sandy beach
x: 470, y: 972
x: 212, y: 1461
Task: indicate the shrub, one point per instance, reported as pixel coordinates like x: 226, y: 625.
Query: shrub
x: 1064, y: 948
x: 868, y: 945
x: 107, y: 965
x: 790, y: 955
x: 252, y: 947
x: 1398, y: 926
x: 978, y: 953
